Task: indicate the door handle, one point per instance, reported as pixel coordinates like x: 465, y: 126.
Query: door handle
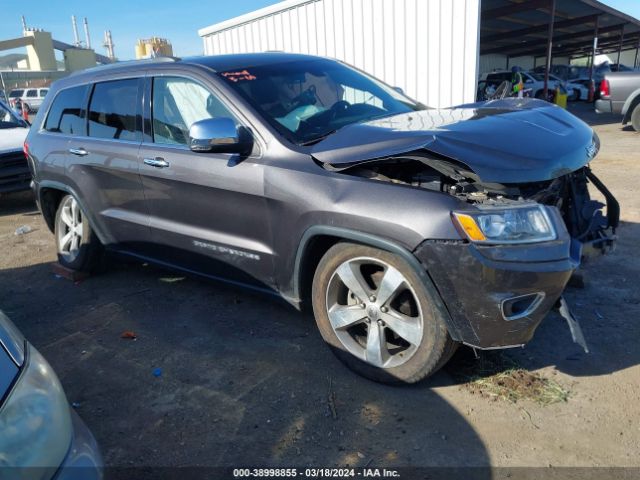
x: 157, y: 162
x: 81, y: 152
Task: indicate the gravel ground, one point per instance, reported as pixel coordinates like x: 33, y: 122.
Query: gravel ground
x: 246, y: 380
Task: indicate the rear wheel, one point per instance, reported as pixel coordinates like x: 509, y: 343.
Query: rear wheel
x: 377, y: 316
x: 77, y: 245
x: 635, y: 118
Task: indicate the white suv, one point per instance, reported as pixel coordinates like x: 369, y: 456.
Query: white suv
x: 30, y: 97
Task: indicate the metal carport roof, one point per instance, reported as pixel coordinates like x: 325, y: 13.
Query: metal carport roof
x: 520, y: 28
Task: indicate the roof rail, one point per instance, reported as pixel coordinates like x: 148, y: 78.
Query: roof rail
x: 115, y: 65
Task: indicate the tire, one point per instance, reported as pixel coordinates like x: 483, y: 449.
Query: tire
x: 77, y: 245
x: 635, y: 118
x: 352, y: 321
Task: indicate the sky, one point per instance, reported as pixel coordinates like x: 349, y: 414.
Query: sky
x: 128, y: 20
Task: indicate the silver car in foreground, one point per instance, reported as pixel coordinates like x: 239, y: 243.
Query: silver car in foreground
x: 40, y: 436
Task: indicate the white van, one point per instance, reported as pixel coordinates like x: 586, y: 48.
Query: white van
x: 30, y: 97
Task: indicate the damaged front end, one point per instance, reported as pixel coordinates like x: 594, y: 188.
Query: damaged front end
x: 497, y: 294
x: 590, y: 222
x: 530, y: 206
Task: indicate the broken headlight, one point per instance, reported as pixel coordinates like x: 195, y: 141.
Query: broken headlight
x: 525, y: 224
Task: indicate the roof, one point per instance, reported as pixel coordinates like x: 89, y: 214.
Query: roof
x: 521, y: 28
x: 223, y: 63
x: 220, y: 63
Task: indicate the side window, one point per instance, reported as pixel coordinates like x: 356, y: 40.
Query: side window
x: 43, y: 93
x: 177, y: 104
x: 67, y: 112
x: 32, y: 93
x: 113, y: 111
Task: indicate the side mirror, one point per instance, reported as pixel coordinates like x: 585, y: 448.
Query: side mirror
x: 399, y: 90
x: 219, y: 135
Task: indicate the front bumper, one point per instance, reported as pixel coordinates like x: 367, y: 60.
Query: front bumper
x: 40, y: 436
x: 498, y: 295
x: 603, y: 106
x: 14, y: 172
x: 83, y: 461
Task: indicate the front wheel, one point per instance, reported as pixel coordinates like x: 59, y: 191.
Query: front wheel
x: 378, y: 317
x: 77, y: 245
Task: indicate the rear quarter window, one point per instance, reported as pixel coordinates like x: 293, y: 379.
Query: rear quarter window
x: 16, y: 93
x: 66, y: 114
x: 113, y: 111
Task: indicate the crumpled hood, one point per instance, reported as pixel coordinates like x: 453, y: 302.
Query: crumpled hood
x: 11, y: 139
x: 501, y: 141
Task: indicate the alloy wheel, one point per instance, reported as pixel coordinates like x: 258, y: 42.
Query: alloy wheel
x: 70, y: 229
x: 374, y: 312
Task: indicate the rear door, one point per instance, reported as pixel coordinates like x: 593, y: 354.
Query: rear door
x: 207, y: 210
x: 103, y: 164
x: 65, y: 120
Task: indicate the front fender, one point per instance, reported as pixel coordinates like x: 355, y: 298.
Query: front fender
x: 377, y: 242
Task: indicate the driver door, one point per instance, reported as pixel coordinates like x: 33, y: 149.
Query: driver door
x: 207, y: 210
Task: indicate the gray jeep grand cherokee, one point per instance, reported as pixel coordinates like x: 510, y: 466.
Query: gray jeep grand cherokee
x: 409, y: 230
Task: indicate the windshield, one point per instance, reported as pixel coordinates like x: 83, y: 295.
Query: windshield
x: 309, y: 100
x: 8, y: 119
x: 16, y: 93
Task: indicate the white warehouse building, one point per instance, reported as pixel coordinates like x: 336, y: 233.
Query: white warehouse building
x: 434, y: 50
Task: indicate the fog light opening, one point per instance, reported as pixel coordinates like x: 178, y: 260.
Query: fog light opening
x: 515, y: 308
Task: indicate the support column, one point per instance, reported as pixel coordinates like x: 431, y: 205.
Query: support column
x: 595, y: 47
x: 620, y: 45
x: 549, y: 49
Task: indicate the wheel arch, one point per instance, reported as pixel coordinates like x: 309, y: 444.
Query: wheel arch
x: 50, y: 193
x: 318, y: 239
x: 631, y: 103
x: 49, y: 199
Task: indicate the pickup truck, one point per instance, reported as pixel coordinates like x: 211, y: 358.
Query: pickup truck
x: 620, y: 93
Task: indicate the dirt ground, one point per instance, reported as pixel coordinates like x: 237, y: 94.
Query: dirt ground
x: 246, y: 380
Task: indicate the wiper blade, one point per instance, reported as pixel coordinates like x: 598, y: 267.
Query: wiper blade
x: 318, y: 139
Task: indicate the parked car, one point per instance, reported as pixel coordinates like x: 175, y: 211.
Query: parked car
x: 42, y: 437
x: 621, y: 68
x: 31, y: 98
x: 620, y: 93
x: 408, y: 230
x: 533, y: 82
x: 14, y: 172
x: 579, y: 75
x: 574, y: 72
x: 576, y: 90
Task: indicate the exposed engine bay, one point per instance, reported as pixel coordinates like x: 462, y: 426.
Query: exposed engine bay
x: 589, y: 221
